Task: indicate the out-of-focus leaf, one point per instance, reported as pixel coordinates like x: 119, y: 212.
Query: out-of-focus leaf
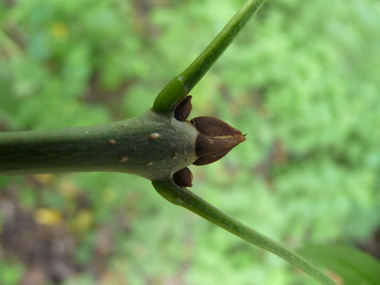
x: 352, y: 265
x: 10, y: 272
x: 47, y: 217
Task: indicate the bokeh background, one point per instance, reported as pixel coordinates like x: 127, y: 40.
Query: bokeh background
x: 302, y: 80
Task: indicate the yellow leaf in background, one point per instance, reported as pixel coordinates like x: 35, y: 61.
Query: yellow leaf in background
x: 68, y: 189
x: 60, y: 30
x: 44, y: 179
x: 83, y: 221
x: 47, y: 217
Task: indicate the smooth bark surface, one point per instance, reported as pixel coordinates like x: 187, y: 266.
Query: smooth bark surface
x: 151, y: 146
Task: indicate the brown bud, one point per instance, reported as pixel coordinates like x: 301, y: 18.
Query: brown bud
x: 215, y: 139
x: 183, y: 178
x: 183, y: 109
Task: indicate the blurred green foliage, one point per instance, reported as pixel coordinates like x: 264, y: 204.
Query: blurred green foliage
x: 301, y: 80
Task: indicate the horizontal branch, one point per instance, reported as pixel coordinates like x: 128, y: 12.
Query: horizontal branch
x: 151, y: 146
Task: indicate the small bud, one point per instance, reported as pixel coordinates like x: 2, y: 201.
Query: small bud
x: 183, y: 109
x: 183, y: 178
x: 215, y: 139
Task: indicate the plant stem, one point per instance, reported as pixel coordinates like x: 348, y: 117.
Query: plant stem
x: 185, y: 198
x: 151, y: 146
x: 180, y: 86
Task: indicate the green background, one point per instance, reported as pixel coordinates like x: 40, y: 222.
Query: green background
x: 302, y: 80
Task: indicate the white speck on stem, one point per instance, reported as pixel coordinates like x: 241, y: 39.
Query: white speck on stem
x: 154, y: 136
x: 123, y: 159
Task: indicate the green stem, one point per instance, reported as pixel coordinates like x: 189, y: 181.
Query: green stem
x: 177, y: 89
x: 185, y: 198
x: 151, y: 145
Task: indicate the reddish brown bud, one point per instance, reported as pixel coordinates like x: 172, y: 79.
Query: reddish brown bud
x: 183, y: 178
x: 215, y: 139
x: 183, y: 109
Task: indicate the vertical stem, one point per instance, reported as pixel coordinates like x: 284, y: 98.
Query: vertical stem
x: 177, y: 89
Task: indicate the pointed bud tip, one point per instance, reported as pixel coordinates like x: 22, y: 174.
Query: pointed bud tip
x: 215, y: 139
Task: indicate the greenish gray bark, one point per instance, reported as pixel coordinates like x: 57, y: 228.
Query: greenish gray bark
x: 151, y: 145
